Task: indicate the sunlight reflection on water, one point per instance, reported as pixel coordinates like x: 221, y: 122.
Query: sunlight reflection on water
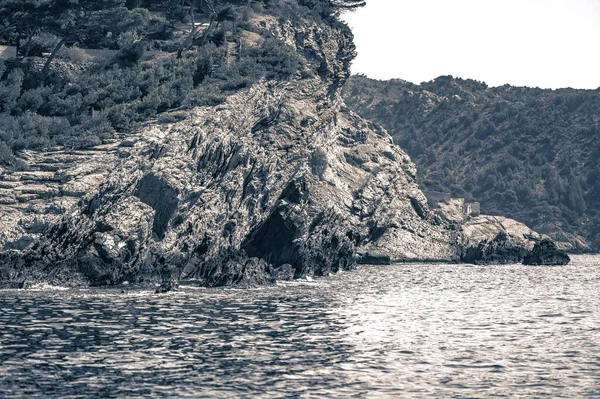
x: 399, y: 331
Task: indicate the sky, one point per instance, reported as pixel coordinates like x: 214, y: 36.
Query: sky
x: 536, y: 43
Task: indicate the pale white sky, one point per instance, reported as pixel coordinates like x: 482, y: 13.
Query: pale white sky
x: 538, y: 43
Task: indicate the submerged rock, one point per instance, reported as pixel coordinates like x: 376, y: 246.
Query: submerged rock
x: 546, y: 253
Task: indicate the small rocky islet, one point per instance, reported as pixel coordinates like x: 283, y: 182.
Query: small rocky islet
x: 546, y: 253
x: 279, y: 181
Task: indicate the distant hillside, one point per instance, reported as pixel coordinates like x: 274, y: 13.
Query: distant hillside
x: 526, y: 153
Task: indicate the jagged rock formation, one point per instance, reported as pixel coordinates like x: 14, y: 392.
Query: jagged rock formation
x: 546, y: 253
x: 278, y: 182
x: 280, y: 174
x: 523, y: 153
x: 489, y: 239
x: 486, y: 239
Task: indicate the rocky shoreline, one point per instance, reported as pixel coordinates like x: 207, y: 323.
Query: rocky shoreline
x: 254, y: 272
x: 281, y: 181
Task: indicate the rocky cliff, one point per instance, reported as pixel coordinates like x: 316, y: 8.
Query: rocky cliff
x: 279, y: 174
x: 279, y: 181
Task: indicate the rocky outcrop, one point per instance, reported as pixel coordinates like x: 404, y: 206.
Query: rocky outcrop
x: 501, y: 249
x: 281, y: 174
x: 546, y: 253
x: 486, y: 239
x: 281, y: 181
x: 495, y: 240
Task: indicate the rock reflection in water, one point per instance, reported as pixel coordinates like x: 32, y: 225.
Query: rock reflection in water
x: 405, y: 330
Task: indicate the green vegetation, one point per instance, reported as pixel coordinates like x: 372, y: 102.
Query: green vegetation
x: 525, y: 153
x: 56, y: 93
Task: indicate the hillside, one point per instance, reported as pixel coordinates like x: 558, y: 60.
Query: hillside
x: 90, y: 71
x: 525, y: 153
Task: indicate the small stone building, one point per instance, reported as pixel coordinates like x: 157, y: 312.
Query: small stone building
x: 472, y: 208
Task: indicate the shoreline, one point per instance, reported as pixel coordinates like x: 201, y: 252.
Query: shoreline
x: 44, y: 286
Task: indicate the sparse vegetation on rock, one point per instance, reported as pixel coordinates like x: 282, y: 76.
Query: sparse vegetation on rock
x: 56, y: 94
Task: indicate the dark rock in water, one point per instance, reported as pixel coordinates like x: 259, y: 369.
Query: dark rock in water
x: 502, y: 249
x: 545, y: 252
x: 167, y: 285
x: 235, y: 268
x: 375, y: 258
x: 284, y: 273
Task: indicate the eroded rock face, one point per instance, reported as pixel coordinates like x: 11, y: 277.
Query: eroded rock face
x: 546, y: 253
x: 281, y: 174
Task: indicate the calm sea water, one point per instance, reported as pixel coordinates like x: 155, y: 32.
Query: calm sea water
x: 408, y: 331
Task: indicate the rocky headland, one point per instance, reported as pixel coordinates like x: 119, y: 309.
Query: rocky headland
x: 280, y: 181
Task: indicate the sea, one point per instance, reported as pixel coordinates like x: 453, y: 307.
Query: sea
x: 400, y: 331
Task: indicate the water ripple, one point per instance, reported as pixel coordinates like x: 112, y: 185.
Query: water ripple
x: 411, y: 331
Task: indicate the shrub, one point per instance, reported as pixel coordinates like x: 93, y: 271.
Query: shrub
x: 279, y: 60
x: 74, y: 54
x: 172, y: 117
x: 130, y: 54
x: 10, y: 89
x: 6, y: 156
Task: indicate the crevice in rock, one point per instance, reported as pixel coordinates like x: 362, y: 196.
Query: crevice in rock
x: 158, y: 194
x: 273, y: 241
